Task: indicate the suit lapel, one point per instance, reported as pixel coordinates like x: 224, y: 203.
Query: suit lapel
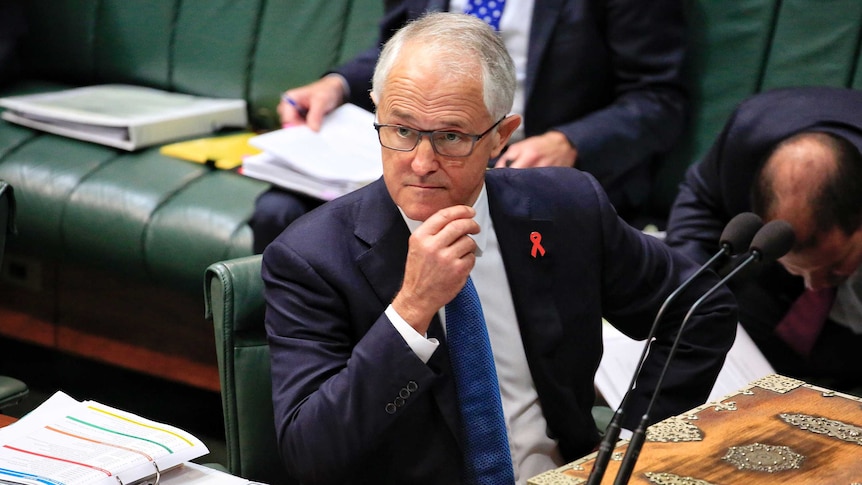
x: 380, y: 226
x: 531, y: 274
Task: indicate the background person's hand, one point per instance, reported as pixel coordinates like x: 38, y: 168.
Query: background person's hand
x: 551, y: 149
x: 313, y: 102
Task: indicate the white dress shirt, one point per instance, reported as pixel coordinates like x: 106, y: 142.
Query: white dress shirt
x: 847, y: 309
x: 515, y: 29
x: 533, y: 452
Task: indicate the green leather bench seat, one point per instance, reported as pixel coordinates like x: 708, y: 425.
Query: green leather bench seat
x: 742, y: 47
x: 153, y: 217
x: 112, y: 245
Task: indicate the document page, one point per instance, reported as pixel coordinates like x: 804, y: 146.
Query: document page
x: 743, y: 365
x: 66, y: 442
x: 345, y: 149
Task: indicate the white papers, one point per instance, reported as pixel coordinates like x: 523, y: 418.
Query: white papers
x: 193, y: 474
x: 66, y: 442
x: 341, y: 157
x: 744, y: 364
x: 124, y: 116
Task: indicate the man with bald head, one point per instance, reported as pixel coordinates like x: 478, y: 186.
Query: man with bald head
x: 368, y: 379
x: 791, y: 154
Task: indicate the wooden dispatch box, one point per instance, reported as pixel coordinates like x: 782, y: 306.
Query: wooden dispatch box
x: 777, y: 430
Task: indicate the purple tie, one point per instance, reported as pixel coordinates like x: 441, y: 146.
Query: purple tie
x: 802, y: 324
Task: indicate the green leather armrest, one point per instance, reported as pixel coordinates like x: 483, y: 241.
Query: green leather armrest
x: 12, y: 391
x: 234, y: 301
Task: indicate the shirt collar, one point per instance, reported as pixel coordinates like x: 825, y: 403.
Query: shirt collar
x: 483, y: 218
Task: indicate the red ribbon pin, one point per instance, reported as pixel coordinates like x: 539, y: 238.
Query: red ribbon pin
x: 536, y: 238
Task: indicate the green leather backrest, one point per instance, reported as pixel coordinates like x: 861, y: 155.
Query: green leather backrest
x: 234, y: 300
x: 251, y: 49
x: 742, y: 47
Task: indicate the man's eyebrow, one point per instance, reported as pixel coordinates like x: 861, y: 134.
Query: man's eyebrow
x: 409, y: 120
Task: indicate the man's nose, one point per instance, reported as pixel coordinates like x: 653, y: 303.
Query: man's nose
x: 424, y: 157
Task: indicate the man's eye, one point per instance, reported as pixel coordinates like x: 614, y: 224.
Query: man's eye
x: 404, y: 132
x: 451, y: 137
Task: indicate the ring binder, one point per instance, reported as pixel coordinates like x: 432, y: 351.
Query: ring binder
x: 65, y: 441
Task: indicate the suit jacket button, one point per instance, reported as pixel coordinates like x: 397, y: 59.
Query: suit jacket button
x: 390, y: 408
x: 412, y: 386
x: 403, y: 393
x: 399, y: 402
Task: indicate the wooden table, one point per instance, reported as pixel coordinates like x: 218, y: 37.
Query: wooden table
x: 6, y: 420
x: 774, y: 432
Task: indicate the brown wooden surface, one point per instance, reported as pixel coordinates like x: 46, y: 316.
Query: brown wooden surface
x: 6, y: 420
x: 109, y: 319
x: 827, y: 460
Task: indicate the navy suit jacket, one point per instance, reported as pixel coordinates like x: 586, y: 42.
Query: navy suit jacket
x: 718, y: 187
x: 337, y: 361
x: 606, y: 73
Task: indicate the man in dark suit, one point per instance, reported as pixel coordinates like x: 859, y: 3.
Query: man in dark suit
x: 599, y: 88
x: 363, y: 390
x: 791, y: 154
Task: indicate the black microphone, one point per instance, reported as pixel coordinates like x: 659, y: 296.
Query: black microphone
x: 771, y: 242
x: 737, y: 234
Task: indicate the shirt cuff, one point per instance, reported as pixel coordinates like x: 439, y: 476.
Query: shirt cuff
x: 422, y: 346
x: 345, y: 86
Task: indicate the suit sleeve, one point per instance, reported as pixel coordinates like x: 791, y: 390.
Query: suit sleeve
x: 697, y: 217
x: 332, y: 378
x: 646, y: 42
x: 639, y: 272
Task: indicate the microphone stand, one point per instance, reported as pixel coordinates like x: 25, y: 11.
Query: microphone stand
x: 739, y: 231
x: 612, y: 433
x: 639, y: 435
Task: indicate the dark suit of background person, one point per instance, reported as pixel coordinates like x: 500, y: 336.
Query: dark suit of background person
x: 717, y: 188
x: 606, y: 73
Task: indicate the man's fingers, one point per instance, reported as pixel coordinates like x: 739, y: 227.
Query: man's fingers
x: 443, y: 217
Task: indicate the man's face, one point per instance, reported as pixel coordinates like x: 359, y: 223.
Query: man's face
x: 833, y: 259
x: 416, y: 95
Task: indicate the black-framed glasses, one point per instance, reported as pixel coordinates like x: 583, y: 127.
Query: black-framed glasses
x: 445, y: 143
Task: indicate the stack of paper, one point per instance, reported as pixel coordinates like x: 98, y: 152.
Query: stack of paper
x: 343, y: 156
x: 65, y: 441
x: 124, y: 116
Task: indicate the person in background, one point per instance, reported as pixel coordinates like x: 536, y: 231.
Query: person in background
x: 790, y: 154
x: 12, y: 27
x: 364, y: 295
x: 599, y: 87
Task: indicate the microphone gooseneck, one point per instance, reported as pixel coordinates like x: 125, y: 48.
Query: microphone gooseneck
x: 736, y: 235
x: 771, y: 242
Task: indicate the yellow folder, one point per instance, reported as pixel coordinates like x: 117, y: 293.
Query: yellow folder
x: 224, y: 152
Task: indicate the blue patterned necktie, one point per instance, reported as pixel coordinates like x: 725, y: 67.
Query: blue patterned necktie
x: 487, y: 458
x: 488, y: 10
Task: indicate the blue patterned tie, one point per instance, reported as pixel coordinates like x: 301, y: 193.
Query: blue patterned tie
x: 487, y: 458
x: 488, y: 10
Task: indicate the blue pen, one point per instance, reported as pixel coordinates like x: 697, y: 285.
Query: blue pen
x: 299, y: 109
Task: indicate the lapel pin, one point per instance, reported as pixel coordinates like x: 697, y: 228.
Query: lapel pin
x: 536, y: 239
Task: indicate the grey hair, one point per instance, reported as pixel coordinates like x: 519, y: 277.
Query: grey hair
x: 458, y: 41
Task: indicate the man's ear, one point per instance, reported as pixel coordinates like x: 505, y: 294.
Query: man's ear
x: 504, y: 132
x: 373, y: 97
